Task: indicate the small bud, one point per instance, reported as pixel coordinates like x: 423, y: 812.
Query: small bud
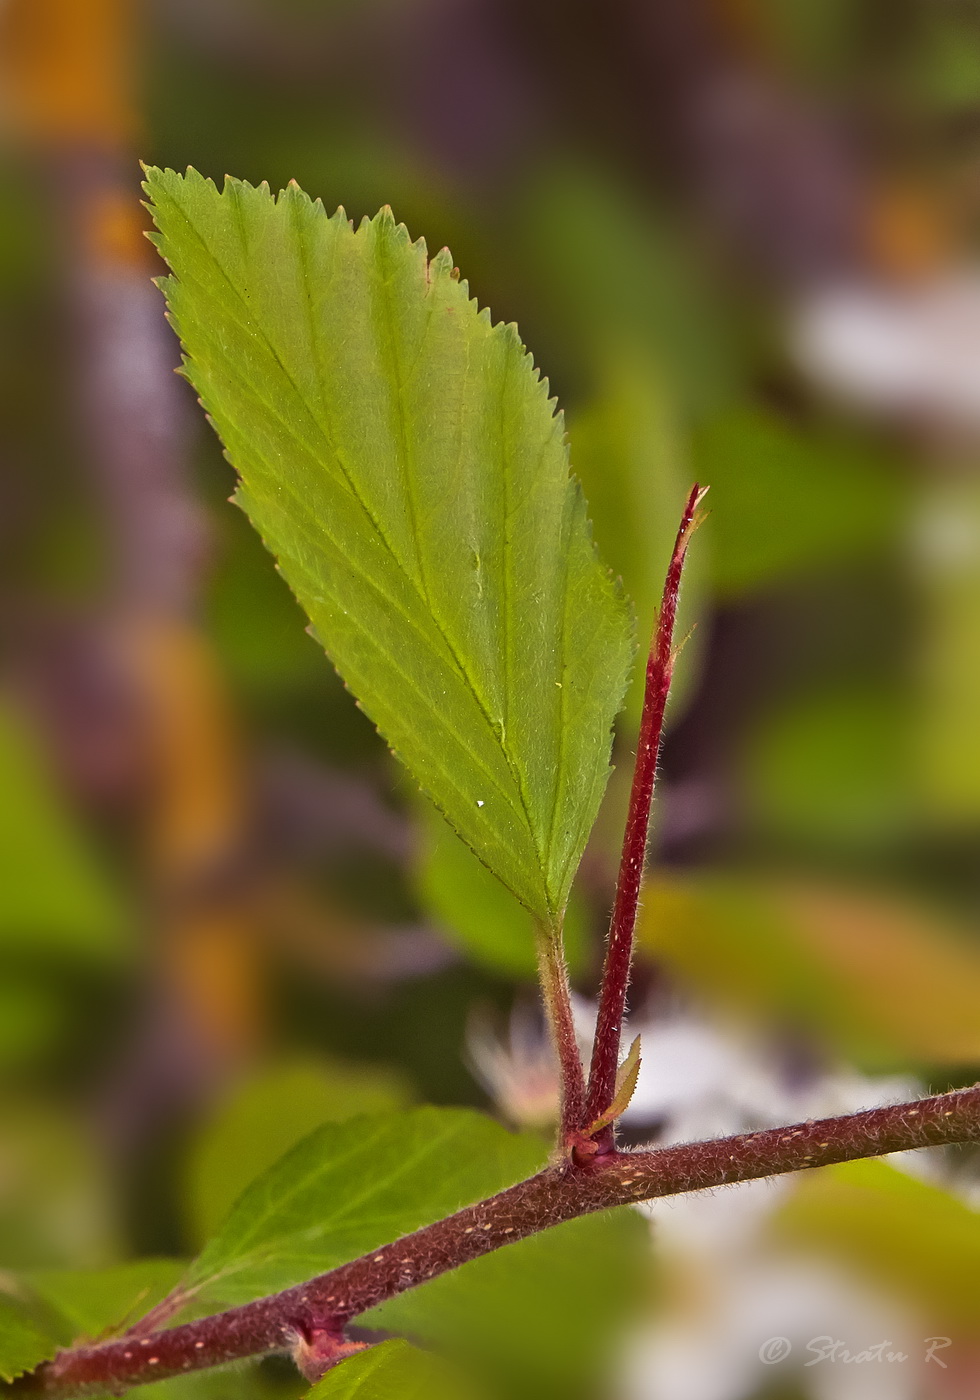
x: 317, y: 1349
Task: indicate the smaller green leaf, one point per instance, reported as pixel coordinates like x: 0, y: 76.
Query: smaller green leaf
x: 22, y: 1345
x: 351, y: 1187
x: 391, y: 1371
x: 97, y: 1301
x: 269, y: 1114
x: 626, y: 1077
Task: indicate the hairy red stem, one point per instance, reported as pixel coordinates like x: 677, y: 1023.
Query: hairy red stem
x: 619, y: 948
x: 558, y: 1004
x: 559, y: 1193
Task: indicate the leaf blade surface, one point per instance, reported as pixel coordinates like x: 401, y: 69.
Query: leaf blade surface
x: 394, y: 1370
x: 351, y: 1187
x: 401, y: 458
x: 22, y: 1345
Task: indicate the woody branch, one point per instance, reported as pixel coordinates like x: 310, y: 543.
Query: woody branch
x: 559, y: 1193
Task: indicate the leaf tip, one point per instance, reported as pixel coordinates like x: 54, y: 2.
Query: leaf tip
x: 442, y: 265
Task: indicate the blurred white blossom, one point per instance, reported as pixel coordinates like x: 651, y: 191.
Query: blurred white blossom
x: 726, y: 1289
x: 909, y: 351
x: 517, y: 1069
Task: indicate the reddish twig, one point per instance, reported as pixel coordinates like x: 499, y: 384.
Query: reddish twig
x: 559, y: 1193
x: 619, y: 949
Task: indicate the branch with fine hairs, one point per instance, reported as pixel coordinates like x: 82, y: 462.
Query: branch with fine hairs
x: 558, y: 1005
x: 619, y: 949
x: 316, y: 1312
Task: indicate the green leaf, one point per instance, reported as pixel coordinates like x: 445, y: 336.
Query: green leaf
x: 22, y: 1345
x: 391, y: 1371
x: 626, y: 1080
x: 476, y: 913
x: 94, y: 1301
x: 348, y: 1188
x: 240, y: 1381
x: 268, y: 1115
x: 541, y: 1317
x: 401, y: 458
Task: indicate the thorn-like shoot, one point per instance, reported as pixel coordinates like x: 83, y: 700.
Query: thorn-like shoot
x: 619, y: 949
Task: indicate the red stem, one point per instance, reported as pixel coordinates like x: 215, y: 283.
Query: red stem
x: 619, y: 949
x: 559, y: 1193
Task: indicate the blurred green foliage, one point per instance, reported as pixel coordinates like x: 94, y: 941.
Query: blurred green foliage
x: 477, y: 913
x: 910, y: 1236
x: 879, y: 982
x: 56, y: 896
x: 56, y: 1204
x: 785, y: 501
x: 832, y: 769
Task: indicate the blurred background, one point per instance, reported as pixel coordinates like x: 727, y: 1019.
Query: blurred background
x: 740, y: 237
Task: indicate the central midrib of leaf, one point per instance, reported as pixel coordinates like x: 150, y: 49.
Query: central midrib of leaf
x: 415, y: 579
x: 498, y: 727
